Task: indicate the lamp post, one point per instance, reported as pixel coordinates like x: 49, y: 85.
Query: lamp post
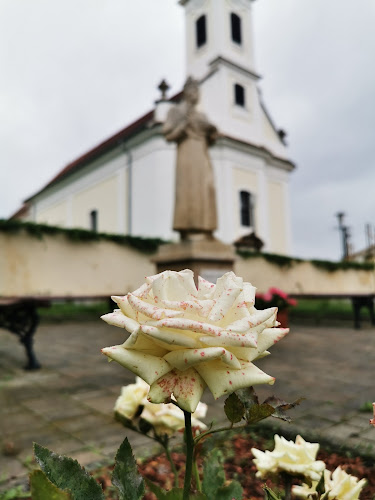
x: 344, y: 235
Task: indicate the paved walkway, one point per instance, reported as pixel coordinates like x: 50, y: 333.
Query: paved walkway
x: 67, y: 405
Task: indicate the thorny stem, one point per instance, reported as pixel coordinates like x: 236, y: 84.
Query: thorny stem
x: 189, y: 455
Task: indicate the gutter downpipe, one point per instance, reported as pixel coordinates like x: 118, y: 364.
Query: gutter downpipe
x: 129, y: 156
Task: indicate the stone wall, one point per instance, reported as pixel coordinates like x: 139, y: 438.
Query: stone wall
x: 57, y: 266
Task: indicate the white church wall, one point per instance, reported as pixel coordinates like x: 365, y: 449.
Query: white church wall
x: 55, y: 215
x: 101, y: 197
x: 153, y: 187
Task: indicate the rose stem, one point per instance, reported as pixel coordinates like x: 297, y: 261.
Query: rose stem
x: 196, y: 474
x: 189, y: 455
x: 288, y: 486
x: 173, y: 467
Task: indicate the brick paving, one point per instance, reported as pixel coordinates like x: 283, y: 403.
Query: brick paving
x: 67, y: 405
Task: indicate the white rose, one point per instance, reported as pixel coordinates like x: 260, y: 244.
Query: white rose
x: 340, y: 486
x: 132, y: 397
x: 183, y: 338
x: 168, y: 418
x: 295, y: 458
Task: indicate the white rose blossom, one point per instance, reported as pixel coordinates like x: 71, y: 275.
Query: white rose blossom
x: 183, y: 338
x: 294, y: 458
x: 340, y: 486
x: 165, y: 418
x: 168, y: 418
x: 132, y: 397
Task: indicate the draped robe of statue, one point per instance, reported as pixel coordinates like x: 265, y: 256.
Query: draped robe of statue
x: 195, y: 202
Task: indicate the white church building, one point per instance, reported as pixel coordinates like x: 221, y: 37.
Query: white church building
x: 126, y: 184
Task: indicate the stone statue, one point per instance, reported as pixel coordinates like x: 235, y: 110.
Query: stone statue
x: 195, y: 203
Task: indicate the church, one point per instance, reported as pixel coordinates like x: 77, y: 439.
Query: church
x: 126, y: 184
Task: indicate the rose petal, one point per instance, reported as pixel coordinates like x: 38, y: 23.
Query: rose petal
x: 148, y: 367
x: 170, y: 337
x: 225, y: 338
x: 223, y: 304
x: 151, y: 310
x: 144, y: 343
x: 186, y: 358
x: 221, y: 380
x: 124, y: 305
x: 116, y: 318
x: 189, y: 324
x: 187, y: 387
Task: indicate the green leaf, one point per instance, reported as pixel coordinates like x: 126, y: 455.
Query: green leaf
x: 156, y: 490
x: 234, y: 408
x: 281, y: 407
x: 42, y: 488
x: 213, y: 474
x: 67, y: 474
x: 320, y: 487
x: 178, y: 494
x: 231, y: 492
x: 125, y: 475
x: 175, y: 494
x: 258, y: 412
x: 248, y: 397
x: 269, y: 494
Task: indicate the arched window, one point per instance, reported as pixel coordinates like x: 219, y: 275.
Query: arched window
x: 235, y: 24
x: 246, y: 209
x: 239, y: 95
x: 201, y: 31
x: 94, y: 220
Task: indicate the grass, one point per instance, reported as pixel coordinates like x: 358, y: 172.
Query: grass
x: 72, y: 311
x: 320, y: 310
x: 316, y: 311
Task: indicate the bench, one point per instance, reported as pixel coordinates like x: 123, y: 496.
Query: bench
x: 20, y: 316
x: 358, y: 301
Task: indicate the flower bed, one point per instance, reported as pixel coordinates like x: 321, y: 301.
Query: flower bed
x: 239, y: 464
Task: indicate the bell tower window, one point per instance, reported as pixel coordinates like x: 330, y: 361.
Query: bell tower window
x: 239, y: 95
x: 235, y: 22
x: 201, y: 31
x: 246, y: 209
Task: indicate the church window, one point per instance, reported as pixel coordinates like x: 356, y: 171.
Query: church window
x: 235, y: 22
x: 201, y: 31
x: 239, y: 95
x: 94, y: 220
x: 246, y: 209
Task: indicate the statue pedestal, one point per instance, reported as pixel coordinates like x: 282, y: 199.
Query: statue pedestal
x: 208, y: 258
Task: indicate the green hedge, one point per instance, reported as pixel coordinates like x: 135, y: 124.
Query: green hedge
x: 326, y: 265
x: 147, y: 245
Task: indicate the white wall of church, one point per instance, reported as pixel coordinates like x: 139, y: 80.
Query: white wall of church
x: 102, y: 198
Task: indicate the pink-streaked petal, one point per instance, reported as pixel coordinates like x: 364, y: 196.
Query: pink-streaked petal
x: 206, y: 289
x: 151, y: 310
x: 187, y: 358
x: 146, y: 366
x: 224, y: 303
x: 187, y: 387
x: 222, y: 380
x: 117, y: 318
x: 173, y: 338
x: 270, y: 336
x: 229, y: 339
x: 143, y: 343
x: 124, y: 305
x: 189, y: 324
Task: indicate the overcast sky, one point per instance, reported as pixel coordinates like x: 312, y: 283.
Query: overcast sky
x: 73, y: 72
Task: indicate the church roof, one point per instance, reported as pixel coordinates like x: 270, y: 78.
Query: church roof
x: 127, y: 132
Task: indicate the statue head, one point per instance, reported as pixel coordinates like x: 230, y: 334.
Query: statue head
x: 191, y: 91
